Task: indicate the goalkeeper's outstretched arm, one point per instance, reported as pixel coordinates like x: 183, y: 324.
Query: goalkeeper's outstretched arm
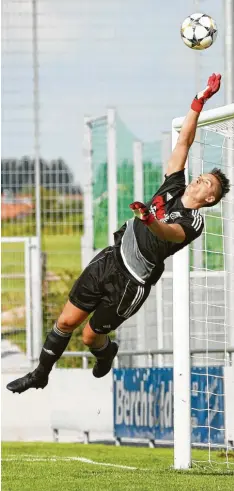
x: 188, y: 130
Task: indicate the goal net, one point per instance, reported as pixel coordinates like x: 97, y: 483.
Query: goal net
x: 203, y: 293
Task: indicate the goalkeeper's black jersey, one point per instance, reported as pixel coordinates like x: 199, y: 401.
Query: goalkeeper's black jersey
x: 144, y: 253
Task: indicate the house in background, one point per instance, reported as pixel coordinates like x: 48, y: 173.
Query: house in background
x: 13, y: 206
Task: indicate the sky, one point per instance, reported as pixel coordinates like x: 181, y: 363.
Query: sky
x: 94, y: 54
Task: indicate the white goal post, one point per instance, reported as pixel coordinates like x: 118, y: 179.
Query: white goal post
x: 218, y: 121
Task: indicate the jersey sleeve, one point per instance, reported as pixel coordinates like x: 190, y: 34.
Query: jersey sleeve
x: 192, y: 224
x: 173, y: 183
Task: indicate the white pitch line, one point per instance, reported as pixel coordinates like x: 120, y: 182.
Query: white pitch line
x: 28, y: 458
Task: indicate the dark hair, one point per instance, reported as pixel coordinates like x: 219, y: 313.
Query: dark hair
x: 224, y: 185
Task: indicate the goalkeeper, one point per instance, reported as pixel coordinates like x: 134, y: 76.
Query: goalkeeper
x: 118, y: 280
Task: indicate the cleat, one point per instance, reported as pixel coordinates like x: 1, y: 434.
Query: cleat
x: 32, y: 380
x: 103, y: 366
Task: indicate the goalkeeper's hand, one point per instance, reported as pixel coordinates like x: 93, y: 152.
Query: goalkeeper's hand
x: 142, y: 212
x: 213, y: 86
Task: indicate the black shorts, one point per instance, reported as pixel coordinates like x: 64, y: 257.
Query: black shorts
x: 108, y: 289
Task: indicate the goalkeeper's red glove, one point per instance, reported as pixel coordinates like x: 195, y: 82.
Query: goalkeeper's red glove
x: 213, y: 86
x: 142, y: 212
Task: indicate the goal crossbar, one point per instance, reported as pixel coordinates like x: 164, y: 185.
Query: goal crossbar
x: 211, y: 116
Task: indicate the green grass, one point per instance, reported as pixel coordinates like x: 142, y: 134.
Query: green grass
x: 62, y: 224
x: 153, y: 469
x: 63, y: 252
x: 213, y: 242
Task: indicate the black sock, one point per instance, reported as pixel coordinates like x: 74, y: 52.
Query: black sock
x: 53, y: 347
x: 104, y: 352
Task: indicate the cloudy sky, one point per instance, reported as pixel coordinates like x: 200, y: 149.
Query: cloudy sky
x: 94, y: 54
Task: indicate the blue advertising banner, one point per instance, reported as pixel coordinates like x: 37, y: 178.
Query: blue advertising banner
x: 143, y: 404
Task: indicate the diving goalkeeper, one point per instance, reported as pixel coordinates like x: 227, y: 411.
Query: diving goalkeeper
x: 118, y: 280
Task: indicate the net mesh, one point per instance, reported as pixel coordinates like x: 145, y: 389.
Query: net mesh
x: 152, y: 174
x: 211, y: 303
x: 152, y: 168
x: 212, y: 293
x: 125, y: 171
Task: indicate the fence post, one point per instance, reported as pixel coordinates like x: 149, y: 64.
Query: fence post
x: 138, y: 174
x: 87, y: 251
x: 36, y: 300
x: 159, y: 315
x: 27, y: 262
x: 112, y: 174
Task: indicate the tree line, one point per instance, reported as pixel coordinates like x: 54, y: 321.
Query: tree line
x: 18, y: 175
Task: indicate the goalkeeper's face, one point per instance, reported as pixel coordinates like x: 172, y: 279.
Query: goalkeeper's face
x: 205, y: 189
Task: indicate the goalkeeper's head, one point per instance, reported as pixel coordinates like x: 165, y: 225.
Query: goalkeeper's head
x: 208, y: 189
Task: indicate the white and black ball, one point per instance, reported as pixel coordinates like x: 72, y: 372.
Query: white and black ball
x: 199, y: 31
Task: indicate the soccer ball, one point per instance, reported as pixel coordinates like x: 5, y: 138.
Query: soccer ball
x: 199, y: 31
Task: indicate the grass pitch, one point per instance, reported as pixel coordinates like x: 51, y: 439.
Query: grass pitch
x: 73, y: 467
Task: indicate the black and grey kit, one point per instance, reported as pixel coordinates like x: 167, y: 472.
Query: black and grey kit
x: 118, y: 280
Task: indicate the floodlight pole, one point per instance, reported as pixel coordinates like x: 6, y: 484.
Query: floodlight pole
x: 36, y: 118
x: 112, y: 175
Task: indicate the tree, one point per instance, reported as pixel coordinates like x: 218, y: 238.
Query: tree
x: 26, y: 173
x: 9, y: 175
x: 18, y: 175
x: 61, y: 176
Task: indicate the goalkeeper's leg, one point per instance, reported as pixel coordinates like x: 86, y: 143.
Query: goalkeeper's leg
x: 84, y: 298
x: 102, y: 348
x: 54, y: 346
x: 56, y: 342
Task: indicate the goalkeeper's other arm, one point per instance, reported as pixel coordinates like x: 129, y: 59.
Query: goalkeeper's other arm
x: 171, y: 232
